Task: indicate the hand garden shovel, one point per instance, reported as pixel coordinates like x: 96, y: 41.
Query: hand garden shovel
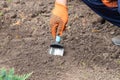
x: 56, y: 48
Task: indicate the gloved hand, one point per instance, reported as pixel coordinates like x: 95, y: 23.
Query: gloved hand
x: 110, y: 3
x: 59, y: 19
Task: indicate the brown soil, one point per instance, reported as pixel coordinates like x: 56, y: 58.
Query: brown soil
x: 25, y: 39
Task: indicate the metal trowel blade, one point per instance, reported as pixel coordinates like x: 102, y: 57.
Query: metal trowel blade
x: 56, y: 49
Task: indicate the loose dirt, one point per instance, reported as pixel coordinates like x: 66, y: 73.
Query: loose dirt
x: 25, y: 38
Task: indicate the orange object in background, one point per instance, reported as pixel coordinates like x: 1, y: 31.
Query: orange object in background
x: 110, y: 3
x: 58, y: 19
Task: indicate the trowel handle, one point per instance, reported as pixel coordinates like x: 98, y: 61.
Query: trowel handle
x: 58, y: 39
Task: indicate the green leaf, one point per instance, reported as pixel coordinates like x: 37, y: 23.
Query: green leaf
x: 3, y: 72
x: 1, y: 78
x: 4, y: 75
x: 25, y: 76
x: 11, y: 71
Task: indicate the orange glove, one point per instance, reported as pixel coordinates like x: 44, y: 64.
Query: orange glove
x: 58, y: 19
x: 110, y: 3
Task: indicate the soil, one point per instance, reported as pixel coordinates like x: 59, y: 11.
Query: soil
x: 25, y: 39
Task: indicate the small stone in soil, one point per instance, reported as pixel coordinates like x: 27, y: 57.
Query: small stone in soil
x: 4, y: 5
